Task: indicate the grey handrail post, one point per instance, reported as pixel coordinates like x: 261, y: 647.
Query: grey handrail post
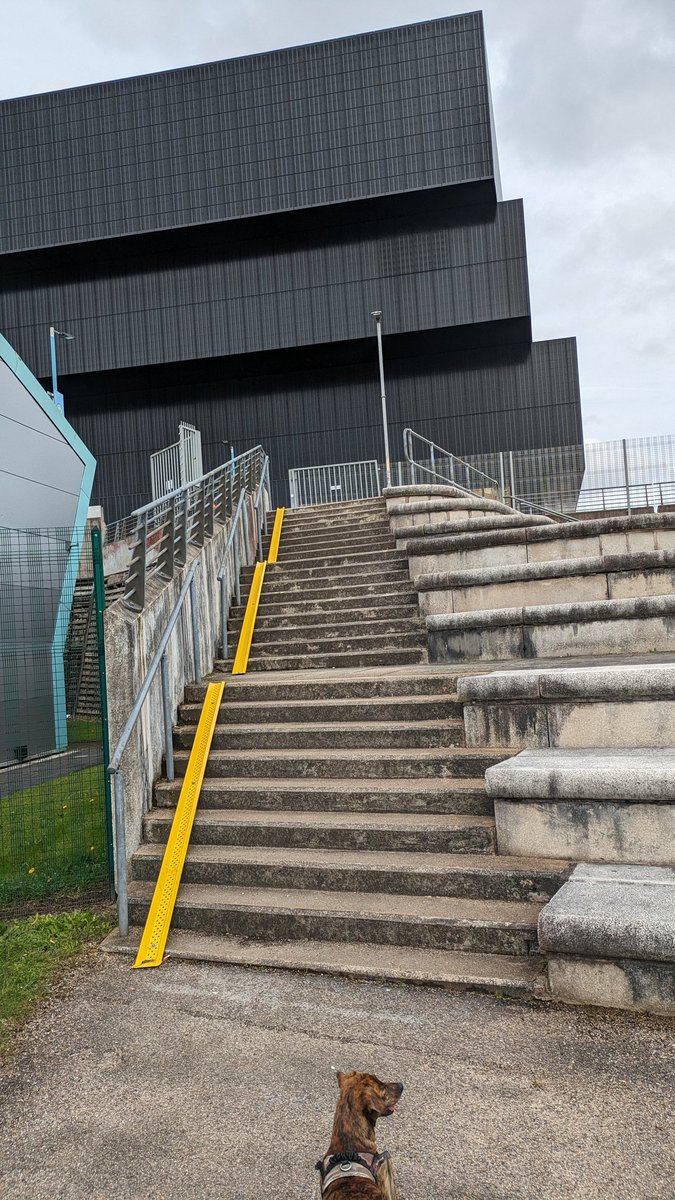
x: 166, y: 709
x: 194, y: 617
x: 224, y: 588
x: 237, y: 562
x: 121, y: 855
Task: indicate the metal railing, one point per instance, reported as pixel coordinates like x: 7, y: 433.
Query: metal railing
x: 229, y: 576
x: 432, y: 460
x: 334, y: 482
x: 164, y: 528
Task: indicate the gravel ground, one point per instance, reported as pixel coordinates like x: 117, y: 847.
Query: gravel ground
x: 195, y: 1082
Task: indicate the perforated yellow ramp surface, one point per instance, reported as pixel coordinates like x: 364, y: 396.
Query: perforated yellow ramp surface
x: 153, y: 942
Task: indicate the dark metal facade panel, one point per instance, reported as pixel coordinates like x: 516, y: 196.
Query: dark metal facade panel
x: 381, y: 113
x: 135, y: 308
x: 498, y: 397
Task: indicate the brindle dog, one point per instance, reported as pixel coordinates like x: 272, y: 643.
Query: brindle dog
x: 352, y: 1168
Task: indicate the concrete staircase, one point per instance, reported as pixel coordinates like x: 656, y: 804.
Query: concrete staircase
x: 340, y: 595
x: 344, y: 824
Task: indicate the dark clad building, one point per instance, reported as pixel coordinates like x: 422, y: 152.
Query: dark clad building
x: 216, y: 238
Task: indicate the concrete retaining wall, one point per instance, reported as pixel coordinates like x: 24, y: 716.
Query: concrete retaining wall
x: 131, y: 640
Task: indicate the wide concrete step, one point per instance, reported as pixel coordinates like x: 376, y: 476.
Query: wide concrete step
x: 334, y: 630
x: 348, y: 764
x: 333, y: 685
x: 428, y: 833
x: 372, y: 615
x: 332, y: 735
x: 276, y: 914
x: 412, y: 708
x: 477, y: 876
x: 508, y: 975
x: 409, y: 796
x: 598, y: 628
x: 477, y: 523
x: 399, y: 656
x: 596, y: 578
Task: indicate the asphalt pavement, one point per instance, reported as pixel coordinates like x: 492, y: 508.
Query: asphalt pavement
x: 193, y: 1082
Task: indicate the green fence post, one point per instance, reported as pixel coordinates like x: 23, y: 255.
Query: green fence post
x: 99, y: 602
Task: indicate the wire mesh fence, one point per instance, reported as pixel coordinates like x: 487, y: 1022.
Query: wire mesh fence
x: 54, y: 838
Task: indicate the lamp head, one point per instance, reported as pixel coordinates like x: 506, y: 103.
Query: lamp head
x: 377, y: 315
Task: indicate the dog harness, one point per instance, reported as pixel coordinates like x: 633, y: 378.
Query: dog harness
x: 349, y: 1166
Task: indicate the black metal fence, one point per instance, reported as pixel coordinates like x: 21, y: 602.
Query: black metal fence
x: 54, y: 819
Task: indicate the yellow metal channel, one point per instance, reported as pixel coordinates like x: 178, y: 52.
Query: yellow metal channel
x: 246, y: 635
x: 276, y: 535
x: 153, y: 942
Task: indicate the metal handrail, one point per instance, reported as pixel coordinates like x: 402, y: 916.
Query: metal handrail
x: 409, y: 434
x: 514, y: 501
x: 166, y: 526
x: 224, y: 574
x: 159, y: 661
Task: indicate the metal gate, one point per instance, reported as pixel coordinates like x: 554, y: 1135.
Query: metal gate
x: 178, y: 464
x: 334, y: 482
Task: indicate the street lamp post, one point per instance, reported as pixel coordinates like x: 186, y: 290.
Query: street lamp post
x: 53, y: 334
x: 377, y: 316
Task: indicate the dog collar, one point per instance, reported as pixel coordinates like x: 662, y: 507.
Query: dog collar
x: 348, y: 1166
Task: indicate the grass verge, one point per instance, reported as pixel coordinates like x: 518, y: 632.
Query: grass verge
x: 33, y: 954
x: 53, y: 837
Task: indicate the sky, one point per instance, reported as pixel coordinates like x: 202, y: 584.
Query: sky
x: 584, y: 104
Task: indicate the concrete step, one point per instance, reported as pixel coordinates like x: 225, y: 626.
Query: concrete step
x: 299, y: 604
x: 477, y: 876
x: 478, y: 523
x: 281, y: 579
x: 336, y: 559
x: 428, y: 922
x: 410, y: 796
x: 312, y: 735
x: 344, y: 591
x: 411, y: 708
x: 426, y: 833
x: 508, y: 975
x: 294, y: 645
x: 334, y: 630
x: 594, y: 628
x: 348, y: 764
x: 379, y: 538
x: 327, y: 659
x: 352, y: 616
x: 340, y: 556
x: 397, y: 683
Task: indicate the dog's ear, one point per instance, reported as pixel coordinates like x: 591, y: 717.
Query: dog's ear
x: 340, y: 1076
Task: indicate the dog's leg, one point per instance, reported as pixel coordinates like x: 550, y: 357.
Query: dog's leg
x: 386, y: 1180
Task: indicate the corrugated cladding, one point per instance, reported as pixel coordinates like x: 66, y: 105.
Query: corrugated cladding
x: 511, y: 396
x: 139, y: 307
x: 381, y: 113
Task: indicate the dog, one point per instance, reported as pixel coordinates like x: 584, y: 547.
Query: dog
x: 352, y: 1168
